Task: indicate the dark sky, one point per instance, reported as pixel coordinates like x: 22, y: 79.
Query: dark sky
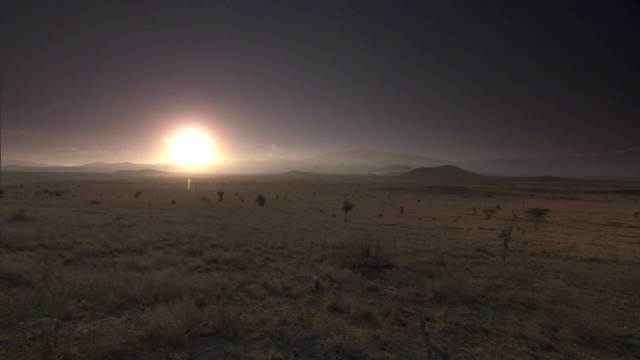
x: 461, y: 80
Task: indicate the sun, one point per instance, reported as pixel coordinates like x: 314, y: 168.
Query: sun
x: 191, y: 147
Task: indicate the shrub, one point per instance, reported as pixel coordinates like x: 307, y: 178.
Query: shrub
x: 21, y: 216
x: 260, y: 200
x: 489, y: 212
x: 138, y: 194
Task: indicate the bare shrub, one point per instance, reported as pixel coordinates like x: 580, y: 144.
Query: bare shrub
x: 351, y: 309
x: 222, y: 322
x: 505, y: 235
x: 55, y: 293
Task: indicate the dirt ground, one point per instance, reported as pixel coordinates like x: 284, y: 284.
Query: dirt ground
x: 113, y: 267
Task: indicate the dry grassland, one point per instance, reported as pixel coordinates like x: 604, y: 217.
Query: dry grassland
x: 89, y: 271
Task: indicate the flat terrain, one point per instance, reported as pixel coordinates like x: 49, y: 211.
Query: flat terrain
x: 96, y: 266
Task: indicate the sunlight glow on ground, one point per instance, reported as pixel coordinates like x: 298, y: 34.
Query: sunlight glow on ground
x: 192, y: 147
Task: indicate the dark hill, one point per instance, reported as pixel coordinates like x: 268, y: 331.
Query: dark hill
x: 442, y: 172
x: 144, y: 172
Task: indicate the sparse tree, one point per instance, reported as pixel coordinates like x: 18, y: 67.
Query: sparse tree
x: 346, y: 208
x: 220, y: 196
x: 537, y: 215
x: 260, y: 200
x: 138, y: 194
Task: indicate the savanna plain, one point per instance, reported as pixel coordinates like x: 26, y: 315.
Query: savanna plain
x: 271, y: 267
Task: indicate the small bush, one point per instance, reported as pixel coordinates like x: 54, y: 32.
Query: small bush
x: 58, y: 193
x: 21, y: 216
x: 260, y: 200
x: 489, y: 212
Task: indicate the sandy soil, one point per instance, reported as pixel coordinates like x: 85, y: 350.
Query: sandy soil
x: 89, y: 271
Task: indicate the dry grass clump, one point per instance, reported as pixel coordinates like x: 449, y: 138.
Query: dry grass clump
x: 366, y: 254
x: 351, y: 309
x: 169, y: 325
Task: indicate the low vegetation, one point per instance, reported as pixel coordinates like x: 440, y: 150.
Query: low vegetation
x: 98, y: 274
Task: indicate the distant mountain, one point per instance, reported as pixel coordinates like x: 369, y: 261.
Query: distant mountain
x: 397, y: 169
x: 14, y: 162
x: 376, y: 157
x: 621, y: 165
x: 442, y: 172
x: 98, y: 167
x: 144, y: 172
x: 368, y: 161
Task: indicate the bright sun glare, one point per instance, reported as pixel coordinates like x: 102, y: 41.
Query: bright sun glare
x: 191, y: 147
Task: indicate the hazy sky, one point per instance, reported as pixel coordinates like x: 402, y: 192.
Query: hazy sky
x: 87, y: 81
